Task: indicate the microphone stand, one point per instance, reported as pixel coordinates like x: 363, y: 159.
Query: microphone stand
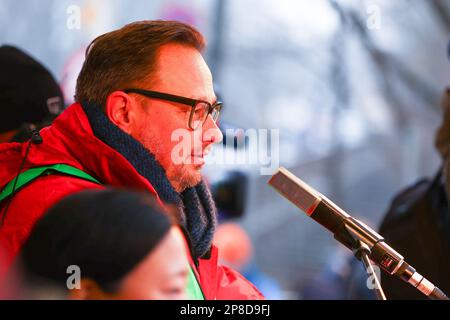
x: 353, y: 234
x: 362, y: 253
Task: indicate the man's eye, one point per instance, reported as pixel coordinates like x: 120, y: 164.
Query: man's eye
x: 201, y: 108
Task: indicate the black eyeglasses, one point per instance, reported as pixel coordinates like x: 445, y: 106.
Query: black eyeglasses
x: 200, y: 109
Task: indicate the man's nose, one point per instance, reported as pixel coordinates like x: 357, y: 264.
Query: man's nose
x: 211, y: 131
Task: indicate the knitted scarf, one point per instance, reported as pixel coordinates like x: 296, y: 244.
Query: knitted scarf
x: 196, y: 208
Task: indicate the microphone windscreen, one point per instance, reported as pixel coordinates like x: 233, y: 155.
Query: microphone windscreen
x: 295, y: 190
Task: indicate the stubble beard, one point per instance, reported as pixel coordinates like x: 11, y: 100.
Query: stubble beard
x: 181, y: 176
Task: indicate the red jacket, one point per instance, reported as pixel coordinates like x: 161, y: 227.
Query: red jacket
x: 69, y: 140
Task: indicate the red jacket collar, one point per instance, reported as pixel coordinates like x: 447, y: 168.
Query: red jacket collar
x: 70, y: 140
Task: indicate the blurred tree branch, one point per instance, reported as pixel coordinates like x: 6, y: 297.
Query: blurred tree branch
x: 440, y: 9
x: 387, y: 65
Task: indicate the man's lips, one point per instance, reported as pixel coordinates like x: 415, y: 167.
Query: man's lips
x: 202, y: 153
x: 197, y: 160
x: 198, y: 157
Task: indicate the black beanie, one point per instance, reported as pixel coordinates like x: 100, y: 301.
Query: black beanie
x: 28, y: 92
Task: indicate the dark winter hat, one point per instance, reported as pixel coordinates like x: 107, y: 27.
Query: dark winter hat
x: 28, y: 92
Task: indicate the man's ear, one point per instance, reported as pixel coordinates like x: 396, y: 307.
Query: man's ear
x: 118, y: 107
x: 89, y: 290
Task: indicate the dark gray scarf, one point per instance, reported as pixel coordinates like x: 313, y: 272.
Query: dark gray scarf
x: 197, y: 211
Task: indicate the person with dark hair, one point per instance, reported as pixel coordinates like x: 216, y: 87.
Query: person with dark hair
x: 121, y: 242
x: 145, y: 117
x: 30, y: 97
x: 417, y: 223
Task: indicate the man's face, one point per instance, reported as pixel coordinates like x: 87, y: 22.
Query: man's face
x: 181, y: 71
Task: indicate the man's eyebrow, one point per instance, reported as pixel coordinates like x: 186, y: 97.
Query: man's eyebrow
x: 203, y: 98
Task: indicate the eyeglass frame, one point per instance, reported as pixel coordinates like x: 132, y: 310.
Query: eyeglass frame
x: 179, y: 99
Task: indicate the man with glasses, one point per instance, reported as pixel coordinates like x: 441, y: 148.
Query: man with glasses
x: 140, y: 86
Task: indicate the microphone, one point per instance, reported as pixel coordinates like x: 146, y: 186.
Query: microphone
x: 349, y: 231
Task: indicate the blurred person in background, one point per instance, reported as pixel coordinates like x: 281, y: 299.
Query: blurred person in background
x: 417, y: 223
x: 236, y: 251
x: 30, y: 97
x: 122, y: 243
x: 138, y: 86
x: 230, y: 193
